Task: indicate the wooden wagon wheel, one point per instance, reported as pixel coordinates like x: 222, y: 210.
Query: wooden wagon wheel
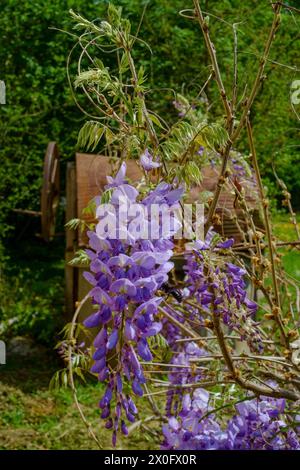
x: 50, y: 191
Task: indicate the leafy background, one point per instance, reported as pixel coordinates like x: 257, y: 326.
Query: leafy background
x: 40, y: 108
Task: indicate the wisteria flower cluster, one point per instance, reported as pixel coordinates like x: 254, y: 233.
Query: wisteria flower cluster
x: 208, y: 330
x: 258, y: 424
x: 222, y: 289
x: 126, y: 273
x: 182, y: 375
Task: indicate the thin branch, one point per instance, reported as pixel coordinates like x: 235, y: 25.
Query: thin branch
x: 72, y: 340
x: 265, y: 204
x: 235, y: 373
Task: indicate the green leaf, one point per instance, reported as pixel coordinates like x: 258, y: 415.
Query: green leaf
x: 90, y: 209
x: 124, y: 63
x: 105, y: 197
x: 80, y: 258
x: 114, y: 14
x: 73, y: 224
x: 155, y: 120
x: 193, y: 173
x: 90, y: 135
x: 214, y: 135
x: 78, y: 372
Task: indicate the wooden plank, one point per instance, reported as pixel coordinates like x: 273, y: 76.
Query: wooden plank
x: 91, y: 173
x: 87, y: 180
x: 87, y: 309
x: 71, y: 274
x: 71, y: 205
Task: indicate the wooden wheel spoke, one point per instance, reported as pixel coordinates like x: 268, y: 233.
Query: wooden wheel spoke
x: 50, y: 191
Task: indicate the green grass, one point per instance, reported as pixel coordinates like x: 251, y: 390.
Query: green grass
x: 285, y: 231
x: 33, y: 417
x: 32, y: 304
x: 32, y: 289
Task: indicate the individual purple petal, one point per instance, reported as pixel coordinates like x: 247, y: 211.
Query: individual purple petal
x: 119, y: 383
x: 103, y: 374
x: 146, y: 161
x: 118, y: 179
x: 226, y: 244
x: 99, y: 353
x: 124, y: 428
x: 232, y: 268
x: 120, y: 303
x: 106, y: 399
x: 130, y: 333
x: 109, y: 424
x: 114, y: 439
x: 143, y: 350
x: 186, y: 404
x: 123, y: 286
x: 174, y: 424
x: 174, y: 196
x: 91, y: 254
x: 250, y: 304
x: 136, y: 388
x: 118, y: 413
x: 148, y: 307
x: 93, y: 320
x: 134, y: 361
x: 141, y: 322
x: 105, y: 413
x: 100, y: 296
x: 166, y: 265
x: 124, y: 195
x: 98, y: 266
x: 96, y: 243
x: 130, y: 416
x: 90, y: 278
x: 98, y: 365
x: 113, y: 339
x: 153, y: 330
x: 147, y: 260
x: 131, y: 406
x: 102, y: 281
x: 147, y: 282
x: 106, y: 314
x: 101, y: 338
x: 120, y: 260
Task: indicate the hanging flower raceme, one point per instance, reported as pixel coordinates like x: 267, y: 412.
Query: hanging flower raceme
x: 146, y: 161
x: 126, y: 271
x: 182, y: 376
x: 182, y: 372
x: 258, y: 424
x: 219, y: 285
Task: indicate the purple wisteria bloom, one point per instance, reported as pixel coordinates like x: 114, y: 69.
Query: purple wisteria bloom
x: 200, y: 151
x: 226, y: 293
x: 126, y: 273
x: 119, y: 178
x: 146, y: 161
x: 259, y: 424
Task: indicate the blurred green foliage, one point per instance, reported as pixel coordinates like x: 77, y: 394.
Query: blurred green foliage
x: 40, y: 106
x: 31, y: 290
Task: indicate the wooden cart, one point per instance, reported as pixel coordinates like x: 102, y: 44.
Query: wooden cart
x: 49, y: 194
x: 86, y: 178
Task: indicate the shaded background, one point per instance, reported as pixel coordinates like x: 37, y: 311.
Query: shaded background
x: 40, y: 108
